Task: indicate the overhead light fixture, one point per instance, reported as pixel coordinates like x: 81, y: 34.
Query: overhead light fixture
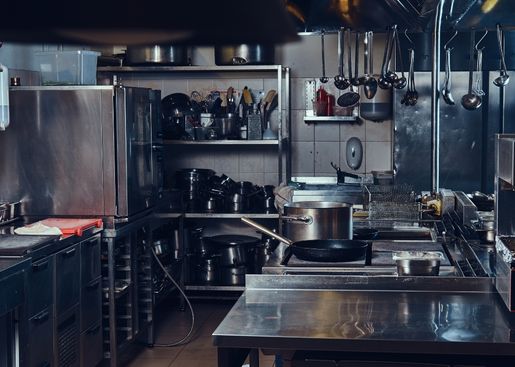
x: 108, y: 22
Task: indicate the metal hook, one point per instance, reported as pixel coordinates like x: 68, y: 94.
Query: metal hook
x: 406, y: 35
x: 481, y: 39
x: 450, y: 39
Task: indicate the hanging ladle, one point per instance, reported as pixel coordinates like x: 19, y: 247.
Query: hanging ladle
x: 504, y: 78
x: 370, y: 83
x: 323, y: 78
x: 446, y: 92
x: 471, y: 101
x: 340, y: 81
x: 355, y: 80
x: 351, y: 98
x: 400, y: 82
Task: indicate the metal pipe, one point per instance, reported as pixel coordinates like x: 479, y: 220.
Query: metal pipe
x: 435, y: 100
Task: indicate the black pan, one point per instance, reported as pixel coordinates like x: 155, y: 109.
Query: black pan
x: 319, y: 250
x: 365, y: 234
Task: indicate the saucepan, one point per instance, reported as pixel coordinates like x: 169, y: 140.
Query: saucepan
x: 331, y: 250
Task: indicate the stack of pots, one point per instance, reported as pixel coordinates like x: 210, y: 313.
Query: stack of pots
x: 194, y: 182
x: 235, y: 254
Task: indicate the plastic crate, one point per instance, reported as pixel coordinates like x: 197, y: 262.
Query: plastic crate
x: 68, y: 67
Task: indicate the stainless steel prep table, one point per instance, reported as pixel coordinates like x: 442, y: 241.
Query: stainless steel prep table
x: 445, y: 317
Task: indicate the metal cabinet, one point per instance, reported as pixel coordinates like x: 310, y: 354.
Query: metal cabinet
x: 40, y: 285
x: 91, y: 304
x: 67, y: 279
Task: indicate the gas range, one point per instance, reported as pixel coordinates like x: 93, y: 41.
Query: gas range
x: 378, y: 260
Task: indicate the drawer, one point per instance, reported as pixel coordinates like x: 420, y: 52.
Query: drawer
x: 91, y: 304
x: 40, y: 285
x: 67, y: 279
x: 91, y: 352
x: 40, y: 339
x: 68, y: 339
x: 90, y: 260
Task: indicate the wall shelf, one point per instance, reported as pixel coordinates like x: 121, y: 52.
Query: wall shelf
x: 315, y: 119
x: 221, y: 142
x: 166, y: 69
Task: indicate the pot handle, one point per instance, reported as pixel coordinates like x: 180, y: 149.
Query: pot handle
x: 305, y: 219
x: 267, y: 231
x: 238, y: 60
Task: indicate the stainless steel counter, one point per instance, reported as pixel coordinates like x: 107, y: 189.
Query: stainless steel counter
x: 446, y: 316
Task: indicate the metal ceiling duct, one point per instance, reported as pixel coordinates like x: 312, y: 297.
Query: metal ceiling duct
x: 147, y: 22
x: 313, y: 15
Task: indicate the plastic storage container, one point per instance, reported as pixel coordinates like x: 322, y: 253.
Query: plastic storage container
x: 68, y: 67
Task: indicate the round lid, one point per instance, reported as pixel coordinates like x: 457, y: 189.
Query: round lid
x: 233, y: 240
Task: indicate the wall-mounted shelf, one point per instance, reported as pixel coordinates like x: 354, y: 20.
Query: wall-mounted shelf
x: 221, y: 142
x: 315, y: 119
x: 166, y: 69
x: 231, y: 215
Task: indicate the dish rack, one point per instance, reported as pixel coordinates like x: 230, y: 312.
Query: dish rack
x: 9, y: 212
x: 392, y: 202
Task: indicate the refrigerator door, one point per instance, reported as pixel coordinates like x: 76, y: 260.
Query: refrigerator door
x: 133, y: 150
x: 58, y: 156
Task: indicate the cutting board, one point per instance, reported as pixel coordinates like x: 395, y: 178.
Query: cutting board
x: 73, y: 225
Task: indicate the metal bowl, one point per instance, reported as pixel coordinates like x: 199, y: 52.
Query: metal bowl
x: 418, y: 267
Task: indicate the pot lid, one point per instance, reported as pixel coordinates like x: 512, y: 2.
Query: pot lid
x: 233, y: 240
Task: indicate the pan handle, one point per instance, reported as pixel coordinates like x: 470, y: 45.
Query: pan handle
x: 267, y: 231
x: 306, y: 219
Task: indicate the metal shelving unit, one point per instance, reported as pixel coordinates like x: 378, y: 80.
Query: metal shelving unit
x: 282, y: 143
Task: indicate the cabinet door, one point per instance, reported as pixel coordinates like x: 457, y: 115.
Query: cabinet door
x: 67, y: 279
x: 90, y: 260
x: 91, y: 353
x: 40, y: 285
x: 91, y: 304
x: 40, y: 345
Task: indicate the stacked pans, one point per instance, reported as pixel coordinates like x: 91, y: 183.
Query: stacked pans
x: 224, y: 259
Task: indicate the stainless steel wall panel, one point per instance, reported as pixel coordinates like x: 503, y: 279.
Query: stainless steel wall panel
x: 460, y: 134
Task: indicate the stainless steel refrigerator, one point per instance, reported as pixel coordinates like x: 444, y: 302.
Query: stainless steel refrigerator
x: 80, y: 150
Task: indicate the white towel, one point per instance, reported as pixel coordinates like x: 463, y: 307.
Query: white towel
x: 283, y: 195
x: 38, y: 229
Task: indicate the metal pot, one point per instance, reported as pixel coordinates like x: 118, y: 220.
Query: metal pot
x: 157, y: 54
x: 233, y: 276
x: 311, y: 220
x: 245, y: 54
x: 207, y: 271
x: 378, y: 108
x: 233, y: 249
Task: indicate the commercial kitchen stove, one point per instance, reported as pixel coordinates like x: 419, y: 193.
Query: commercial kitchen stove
x: 378, y: 261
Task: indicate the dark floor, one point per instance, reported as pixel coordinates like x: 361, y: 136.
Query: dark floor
x: 173, y: 324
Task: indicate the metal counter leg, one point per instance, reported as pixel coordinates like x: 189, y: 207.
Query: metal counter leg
x: 254, y: 358
x: 232, y: 357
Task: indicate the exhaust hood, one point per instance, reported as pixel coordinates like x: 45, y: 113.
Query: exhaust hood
x: 98, y: 22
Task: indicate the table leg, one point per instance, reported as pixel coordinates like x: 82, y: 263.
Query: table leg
x: 232, y: 357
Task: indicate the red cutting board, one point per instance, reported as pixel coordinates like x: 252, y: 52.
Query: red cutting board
x: 72, y: 225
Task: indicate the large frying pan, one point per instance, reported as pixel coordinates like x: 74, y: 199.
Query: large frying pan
x: 318, y: 250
